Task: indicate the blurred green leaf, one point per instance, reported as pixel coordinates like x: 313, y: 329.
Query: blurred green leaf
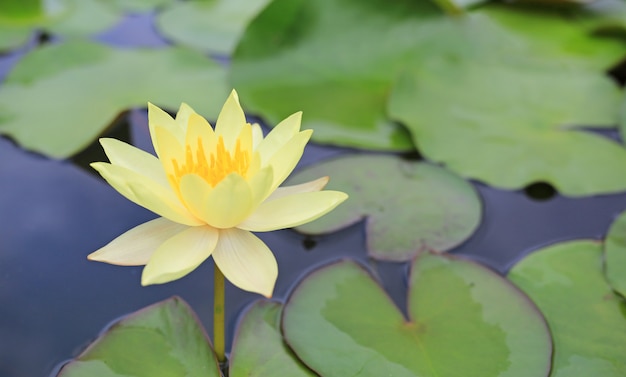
x: 60, y: 98
x: 615, y: 255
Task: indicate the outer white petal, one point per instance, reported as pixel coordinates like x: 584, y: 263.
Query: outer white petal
x: 310, y: 186
x: 125, y: 155
x: 136, y: 246
x: 279, y: 136
x: 292, y: 210
x: 246, y: 261
x: 180, y: 255
x: 146, y: 193
x: 230, y: 121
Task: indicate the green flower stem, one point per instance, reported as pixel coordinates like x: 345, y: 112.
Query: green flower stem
x: 218, y: 314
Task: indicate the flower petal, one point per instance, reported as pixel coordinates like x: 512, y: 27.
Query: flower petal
x: 286, y: 158
x: 169, y: 150
x: 310, y: 186
x: 136, y: 246
x: 230, y: 121
x: 246, y: 261
x: 180, y: 255
x: 229, y: 203
x: 183, y: 114
x: 158, y: 117
x: 261, y: 184
x: 292, y: 210
x: 141, y: 162
x: 146, y: 192
x: 198, y: 129
x: 279, y: 136
x: 257, y: 135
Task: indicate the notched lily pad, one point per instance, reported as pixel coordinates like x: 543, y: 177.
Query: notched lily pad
x: 408, y: 206
x: 59, y: 98
x: 464, y: 320
x: 164, y: 339
x: 259, y: 349
x: 615, y: 255
x: 586, y: 318
x: 211, y: 26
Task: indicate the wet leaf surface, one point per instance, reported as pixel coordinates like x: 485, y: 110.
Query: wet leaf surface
x: 409, y: 206
x: 61, y: 97
x: 259, y: 349
x: 586, y: 318
x: 164, y: 339
x: 463, y: 320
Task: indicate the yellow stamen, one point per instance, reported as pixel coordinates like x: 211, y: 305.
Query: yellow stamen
x: 220, y: 163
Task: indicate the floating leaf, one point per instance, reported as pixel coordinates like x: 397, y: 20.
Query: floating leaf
x: 61, y: 97
x: 586, y: 318
x: 331, y: 60
x: 615, y: 255
x: 213, y: 26
x: 138, y: 5
x: 409, y: 206
x: 164, y: 339
x: 258, y: 348
x: 464, y: 320
x: 507, y: 119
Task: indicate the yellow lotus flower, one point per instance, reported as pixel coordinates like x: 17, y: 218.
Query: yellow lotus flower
x: 211, y: 189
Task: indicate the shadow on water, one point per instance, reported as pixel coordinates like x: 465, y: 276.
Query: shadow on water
x: 53, y: 301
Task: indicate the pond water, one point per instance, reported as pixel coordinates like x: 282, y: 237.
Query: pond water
x: 53, y: 301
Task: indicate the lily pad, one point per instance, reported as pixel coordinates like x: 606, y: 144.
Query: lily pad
x: 409, y: 206
x: 615, y: 255
x: 164, y: 339
x: 586, y: 318
x: 59, y: 98
x: 464, y: 320
x: 67, y: 18
x: 510, y: 121
x: 211, y: 26
x: 258, y: 348
x: 138, y: 5
x: 330, y: 59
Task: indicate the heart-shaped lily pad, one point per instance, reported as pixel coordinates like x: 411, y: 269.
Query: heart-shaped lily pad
x: 258, y: 348
x: 510, y: 123
x: 59, y: 98
x: 330, y: 59
x: 615, y: 255
x: 409, y: 206
x: 164, y: 339
x: 587, y: 319
x: 464, y: 320
x: 212, y: 26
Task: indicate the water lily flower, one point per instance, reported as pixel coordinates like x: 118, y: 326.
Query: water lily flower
x: 212, y: 188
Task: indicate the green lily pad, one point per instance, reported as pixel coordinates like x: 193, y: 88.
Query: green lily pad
x: 211, y: 26
x: 138, y: 5
x: 330, y: 59
x: 164, y: 339
x: 67, y: 18
x: 615, y: 255
x: 587, y: 319
x: 409, y: 206
x: 258, y: 348
x: 464, y: 320
x: 60, y: 98
x: 509, y: 121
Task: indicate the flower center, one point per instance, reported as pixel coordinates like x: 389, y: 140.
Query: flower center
x: 216, y: 167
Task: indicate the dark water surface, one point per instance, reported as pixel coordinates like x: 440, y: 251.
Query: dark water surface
x: 53, y: 301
